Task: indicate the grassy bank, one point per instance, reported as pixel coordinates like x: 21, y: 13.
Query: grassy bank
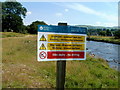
x: 104, y: 39
x: 22, y: 70
x: 11, y: 34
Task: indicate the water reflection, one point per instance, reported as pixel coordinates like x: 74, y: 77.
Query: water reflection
x: 107, y: 51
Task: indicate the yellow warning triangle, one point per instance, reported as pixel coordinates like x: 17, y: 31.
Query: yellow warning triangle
x: 43, y: 38
x: 42, y: 47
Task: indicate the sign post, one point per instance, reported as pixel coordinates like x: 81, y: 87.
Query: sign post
x: 61, y: 43
x: 61, y: 69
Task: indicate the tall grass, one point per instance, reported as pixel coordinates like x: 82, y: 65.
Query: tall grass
x: 22, y: 70
x: 11, y: 34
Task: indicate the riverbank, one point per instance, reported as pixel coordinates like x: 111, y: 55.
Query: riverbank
x: 104, y: 39
x: 22, y: 70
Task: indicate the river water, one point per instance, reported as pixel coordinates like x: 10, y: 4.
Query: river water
x: 107, y: 51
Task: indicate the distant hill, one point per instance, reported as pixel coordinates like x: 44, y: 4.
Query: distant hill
x: 97, y: 27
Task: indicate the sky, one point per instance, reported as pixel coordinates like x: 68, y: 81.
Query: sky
x: 72, y: 13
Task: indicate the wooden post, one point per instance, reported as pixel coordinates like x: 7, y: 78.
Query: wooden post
x: 61, y: 70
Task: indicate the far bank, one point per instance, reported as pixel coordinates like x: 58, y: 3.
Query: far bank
x: 106, y: 39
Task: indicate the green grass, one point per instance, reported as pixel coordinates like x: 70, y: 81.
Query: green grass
x: 22, y: 70
x: 105, y: 39
x: 11, y: 34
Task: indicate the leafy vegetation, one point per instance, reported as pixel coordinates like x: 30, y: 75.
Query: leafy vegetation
x: 33, y: 28
x: 22, y: 70
x: 117, y: 34
x: 12, y: 13
x: 102, y: 32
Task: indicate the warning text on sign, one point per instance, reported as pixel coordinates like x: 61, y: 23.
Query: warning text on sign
x: 66, y: 55
x: 65, y: 38
x: 65, y: 46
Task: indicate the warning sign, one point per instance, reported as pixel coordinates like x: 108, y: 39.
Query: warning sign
x: 43, y: 38
x: 65, y: 46
x: 61, y: 43
x: 42, y: 55
x: 42, y: 47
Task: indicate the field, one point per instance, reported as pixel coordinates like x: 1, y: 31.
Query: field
x: 107, y: 39
x: 20, y: 68
x: 11, y: 34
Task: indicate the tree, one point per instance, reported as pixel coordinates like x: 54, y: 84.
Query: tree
x: 92, y: 31
x: 32, y: 28
x: 12, y: 13
x: 98, y: 31
x: 117, y: 34
x: 108, y: 32
x: 102, y: 33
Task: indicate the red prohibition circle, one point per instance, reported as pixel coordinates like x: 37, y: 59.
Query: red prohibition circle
x: 42, y: 55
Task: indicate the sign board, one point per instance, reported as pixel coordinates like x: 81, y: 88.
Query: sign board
x: 61, y: 43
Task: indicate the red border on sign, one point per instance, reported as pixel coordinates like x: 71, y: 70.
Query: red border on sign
x: 42, y: 55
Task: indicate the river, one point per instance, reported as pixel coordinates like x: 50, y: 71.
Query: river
x: 107, y: 51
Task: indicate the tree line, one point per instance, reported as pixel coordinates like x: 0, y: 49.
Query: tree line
x: 104, y: 32
x: 14, y: 12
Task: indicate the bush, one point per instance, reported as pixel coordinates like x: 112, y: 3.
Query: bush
x: 117, y: 34
x: 32, y: 28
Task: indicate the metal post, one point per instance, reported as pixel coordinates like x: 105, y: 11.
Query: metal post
x: 61, y: 70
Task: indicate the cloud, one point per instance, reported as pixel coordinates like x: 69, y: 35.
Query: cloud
x: 66, y: 10
x: 29, y: 13
x: 59, y: 14
x: 84, y: 9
